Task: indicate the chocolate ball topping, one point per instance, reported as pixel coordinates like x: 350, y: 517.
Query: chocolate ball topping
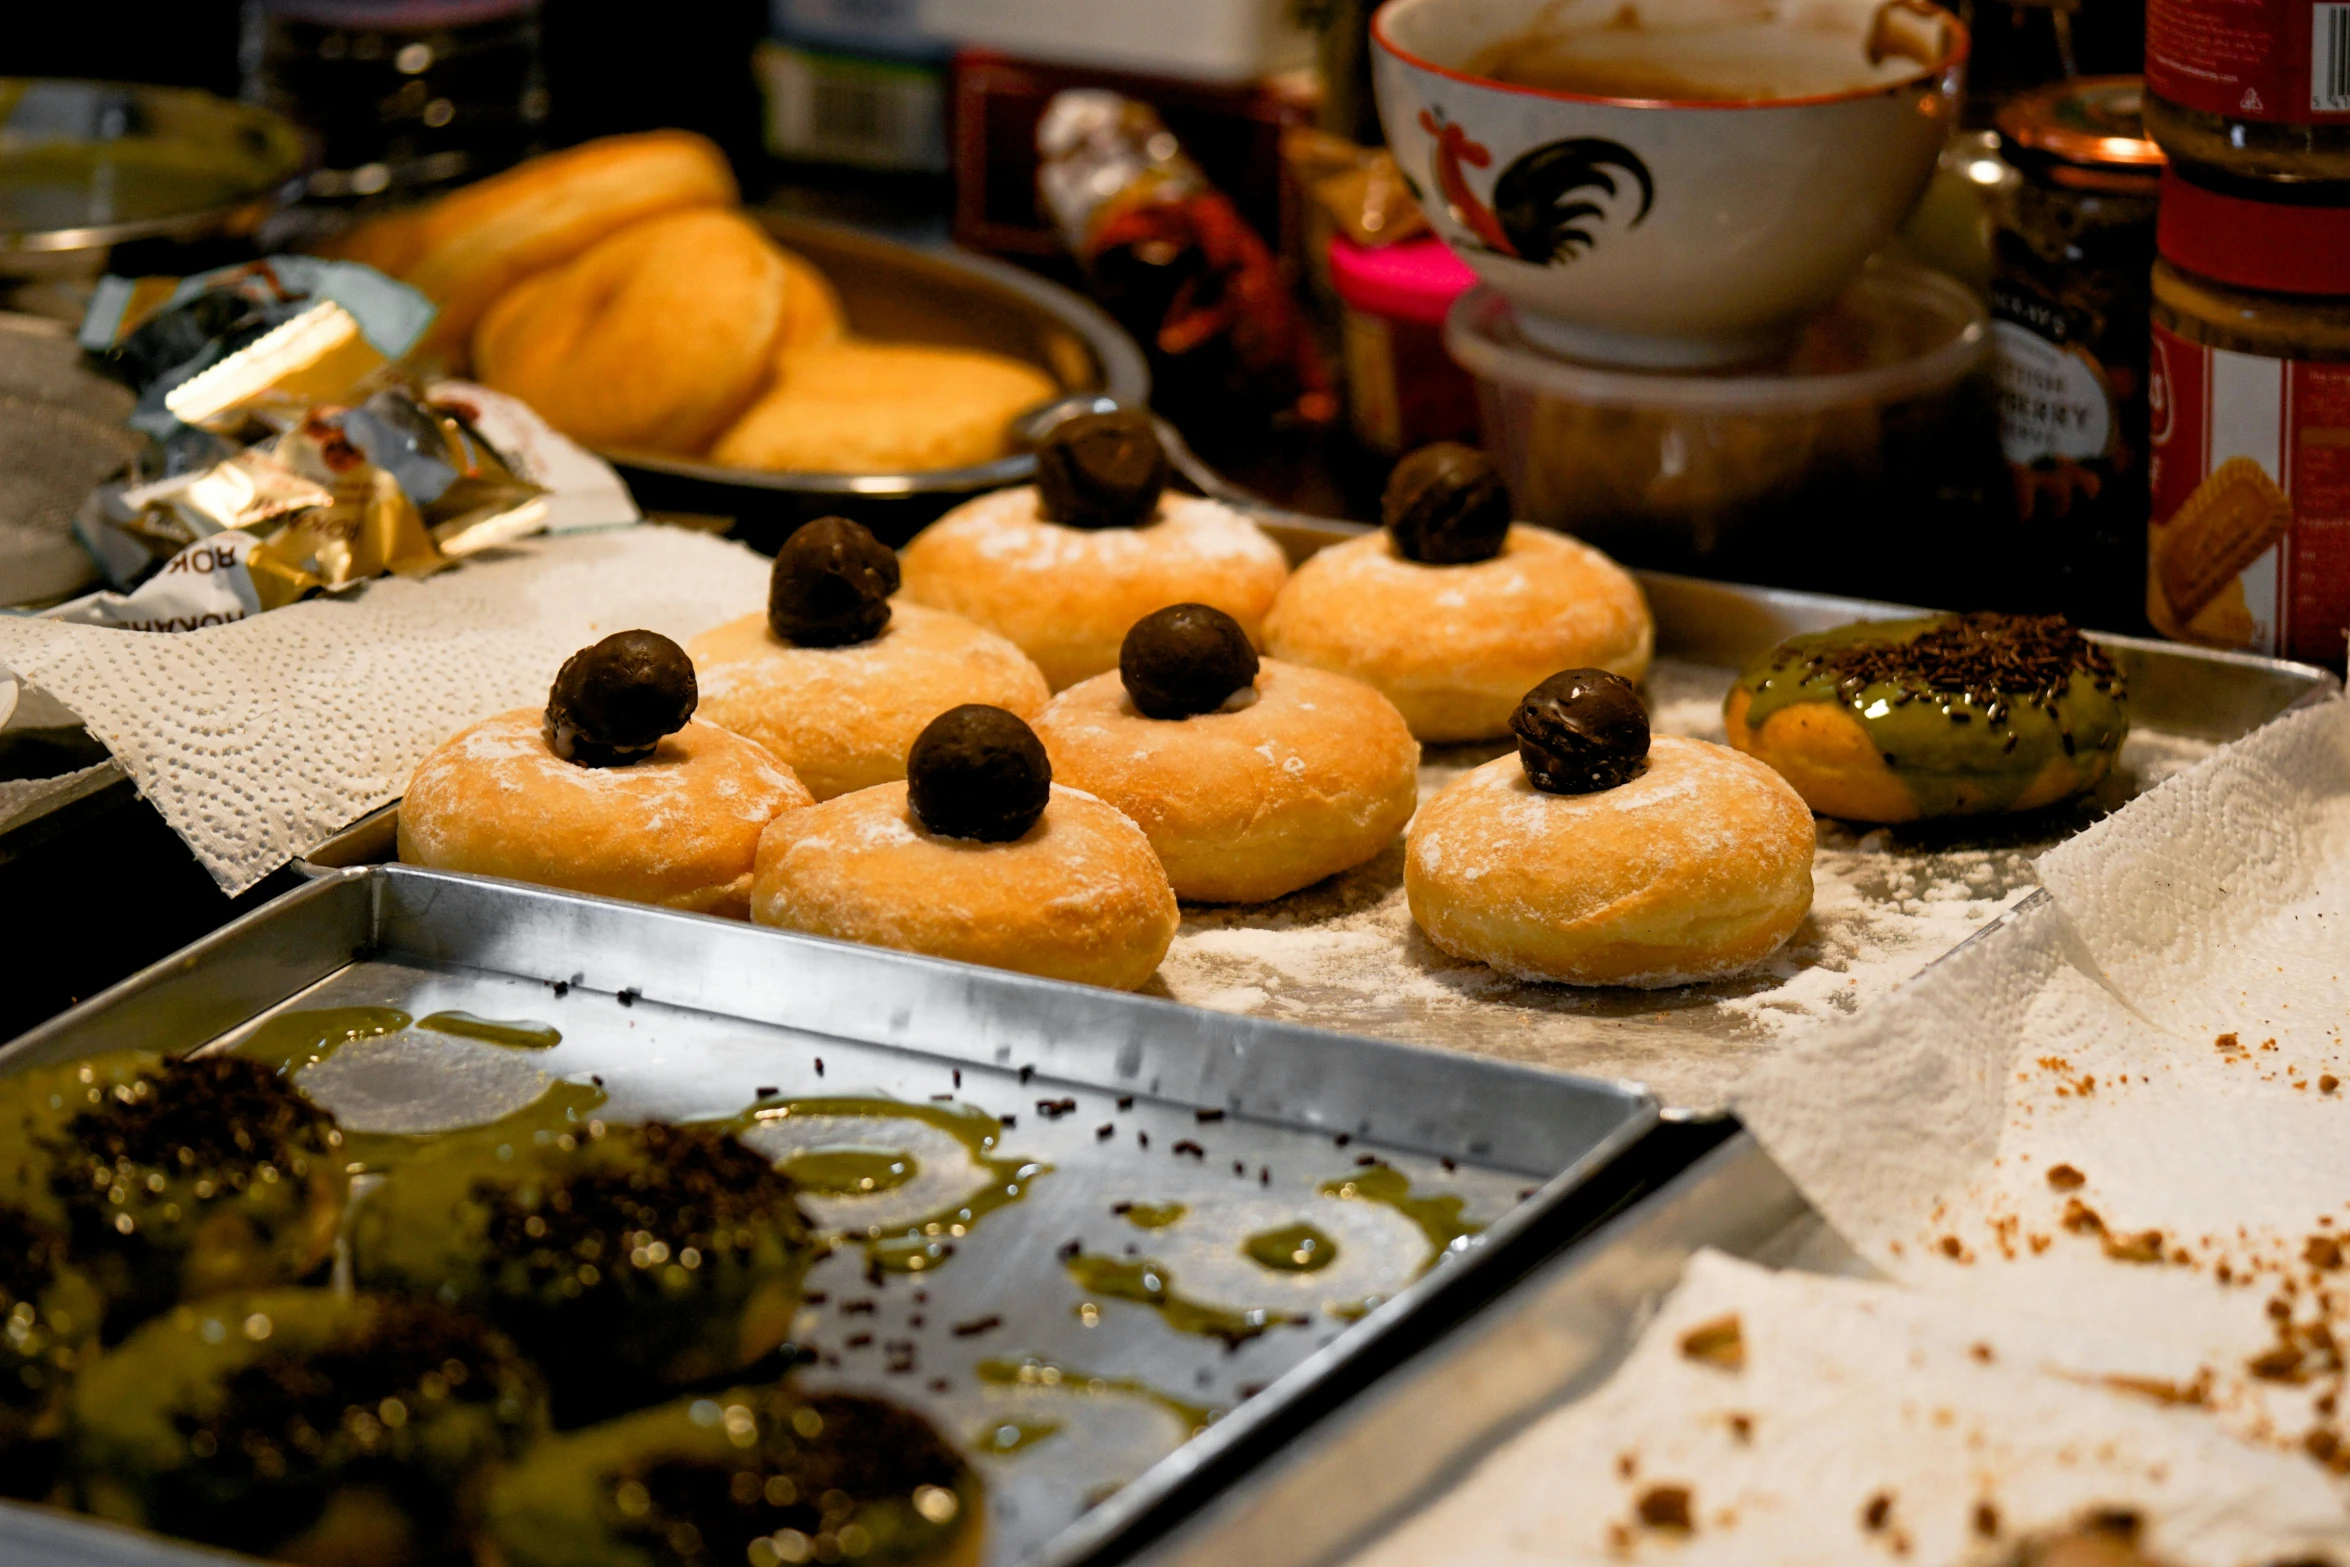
x: 1101, y: 470
x: 978, y: 772
x: 1185, y: 659
x: 1581, y: 731
x: 831, y: 585
x: 612, y: 703
x: 1445, y: 505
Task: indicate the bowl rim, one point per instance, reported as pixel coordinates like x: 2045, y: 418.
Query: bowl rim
x: 1126, y: 377
x: 1954, y: 59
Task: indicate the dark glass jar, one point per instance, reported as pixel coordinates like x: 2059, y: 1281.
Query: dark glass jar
x: 2070, y: 301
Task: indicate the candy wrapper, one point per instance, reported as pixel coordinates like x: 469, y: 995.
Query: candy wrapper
x: 291, y: 456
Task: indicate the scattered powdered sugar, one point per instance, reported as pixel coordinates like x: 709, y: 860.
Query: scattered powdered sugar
x: 1344, y: 954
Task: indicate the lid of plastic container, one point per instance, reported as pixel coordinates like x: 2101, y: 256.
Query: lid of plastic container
x: 2090, y: 125
x: 1902, y: 331
x: 1416, y: 280
x: 2281, y: 239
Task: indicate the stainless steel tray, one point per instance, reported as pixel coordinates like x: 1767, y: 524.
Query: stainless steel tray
x: 1345, y: 955
x: 682, y: 1016
x: 1554, y: 1338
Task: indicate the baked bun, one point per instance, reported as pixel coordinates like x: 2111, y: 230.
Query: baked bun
x: 480, y: 241
x: 655, y: 337
x: 812, y: 313
x: 842, y: 717
x: 1455, y: 646
x: 848, y: 406
x: 679, y: 828
x: 1068, y: 595
x: 1078, y: 896
x: 1318, y: 773
x: 1696, y: 868
x: 1890, y: 721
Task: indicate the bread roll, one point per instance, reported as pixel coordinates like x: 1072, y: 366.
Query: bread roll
x: 849, y: 406
x: 480, y: 241
x: 655, y: 338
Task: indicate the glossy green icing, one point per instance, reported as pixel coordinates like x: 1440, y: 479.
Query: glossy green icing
x: 1954, y: 752
x: 1035, y: 1373
x: 1148, y: 1283
x: 1153, y: 1215
x: 522, y: 1033
x: 1293, y: 1248
x: 1439, y: 1218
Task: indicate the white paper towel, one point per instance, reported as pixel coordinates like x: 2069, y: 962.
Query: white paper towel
x: 259, y: 739
x: 1863, y: 1423
x: 2128, y: 1105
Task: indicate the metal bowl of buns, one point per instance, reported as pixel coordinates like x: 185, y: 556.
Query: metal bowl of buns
x: 896, y: 293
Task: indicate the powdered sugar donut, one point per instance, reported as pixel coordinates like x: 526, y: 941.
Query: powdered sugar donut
x: 679, y: 828
x: 1695, y: 869
x: 1455, y: 646
x: 1079, y: 896
x: 1316, y: 774
x: 1066, y: 596
x: 842, y: 717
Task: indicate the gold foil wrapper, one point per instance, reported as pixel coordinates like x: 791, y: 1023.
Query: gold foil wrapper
x: 370, y: 528
x: 250, y: 491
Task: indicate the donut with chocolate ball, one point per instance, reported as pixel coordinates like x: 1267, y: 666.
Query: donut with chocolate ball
x: 978, y: 772
x: 1446, y: 505
x: 1581, y: 731
x: 831, y: 585
x: 612, y: 703
x: 1185, y: 659
x: 1101, y: 470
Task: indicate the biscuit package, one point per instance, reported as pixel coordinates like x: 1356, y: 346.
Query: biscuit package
x: 2249, y: 545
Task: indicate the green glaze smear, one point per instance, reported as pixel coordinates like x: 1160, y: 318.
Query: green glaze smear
x: 923, y: 1244
x: 1031, y: 1372
x: 294, y: 1040
x: 850, y: 1170
x: 1967, y: 710
x: 1010, y: 1436
x: 1150, y: 1215
x: 1439, y: 1218
x: 1148, y: 1283
x: 1293, y: 1248
x: 521, y: 1033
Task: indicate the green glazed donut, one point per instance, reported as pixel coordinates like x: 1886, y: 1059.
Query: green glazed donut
x: 302, y: 1425
x: 173, y: 1179
x: 632, y: 1260
x: 49, y: 1318
x: 762, y: 1476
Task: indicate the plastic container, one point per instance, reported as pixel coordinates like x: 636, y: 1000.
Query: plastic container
x: 1859, y: 463
x: 1402, y: 389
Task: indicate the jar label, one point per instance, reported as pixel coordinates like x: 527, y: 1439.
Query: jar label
x: 2280, y: 61
x: 2249, y: 542
x: 2053, y: 402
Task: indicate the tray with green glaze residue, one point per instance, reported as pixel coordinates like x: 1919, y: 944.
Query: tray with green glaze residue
x: 1110, y: 1247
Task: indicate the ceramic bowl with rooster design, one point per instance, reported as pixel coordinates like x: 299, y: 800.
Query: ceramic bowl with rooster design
x: 1667, y: 183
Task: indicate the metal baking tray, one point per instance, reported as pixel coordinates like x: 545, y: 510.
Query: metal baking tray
x: 1344, y: 954
x: 1549, y: 1341
x: 683, y: 1015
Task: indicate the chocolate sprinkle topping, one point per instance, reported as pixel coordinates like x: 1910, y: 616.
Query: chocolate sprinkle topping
x: 1989, y: 661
